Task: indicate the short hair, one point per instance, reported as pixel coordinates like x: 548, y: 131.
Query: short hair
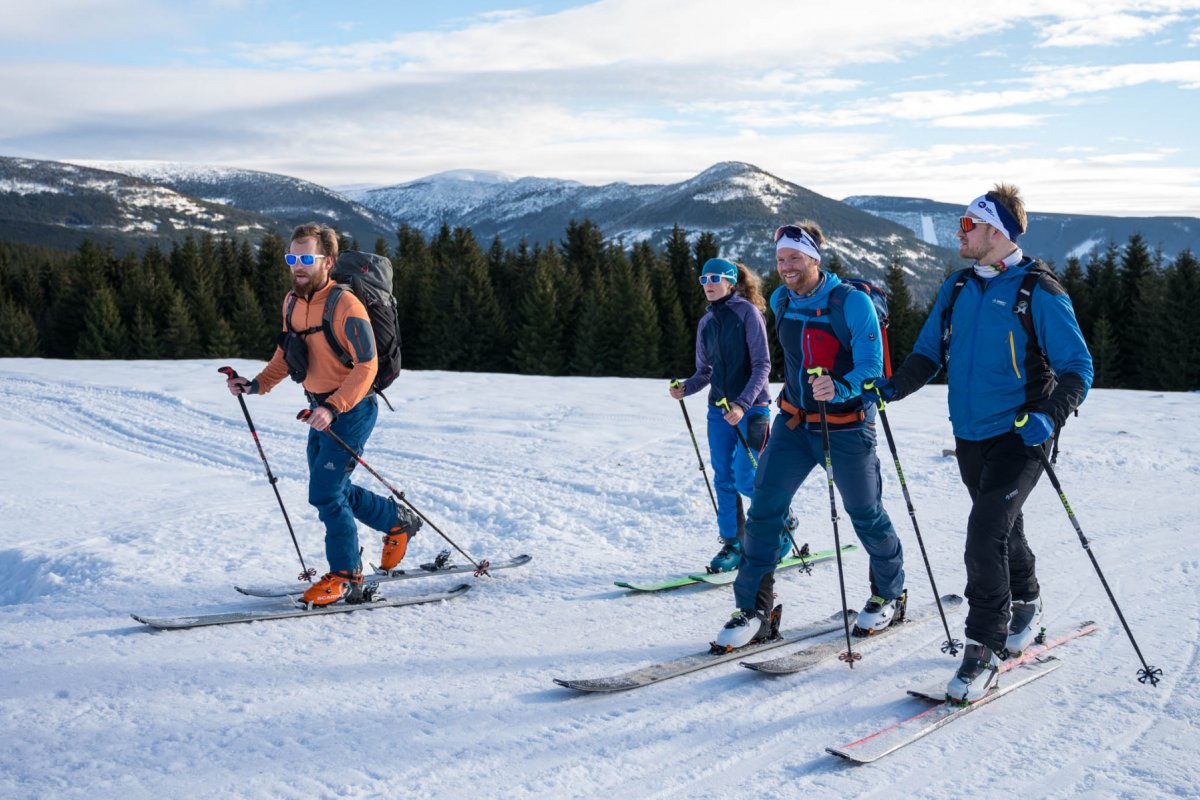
x: 813, y: 229
x: 326, y: 237
x: 1009, y: 196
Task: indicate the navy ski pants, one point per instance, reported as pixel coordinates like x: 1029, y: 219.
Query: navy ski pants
x: 791, y: 455
x: 338, y: 501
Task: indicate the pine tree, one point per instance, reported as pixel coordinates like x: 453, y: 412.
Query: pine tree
x: 180, y: 339
x: 485, y: 335
x: 905, y: 324
x: 143, y: 336
x: 1135, y: 275
x: 679, y: 262
x: 833, y: 263
x: 1106, y: 355
x: 103, y: 331
x: 588, y: 355
x: 1075, y: 282
x: 416, y: 298
x: 251, y: 335
x: 18, y: 333
x: 630, y: 330
x: 1178, y: 360
x: 222, y: 342
x: 539, y: 345
x: 676, y: 346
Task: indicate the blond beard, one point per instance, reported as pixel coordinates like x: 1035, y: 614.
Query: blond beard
x: 314, y: 283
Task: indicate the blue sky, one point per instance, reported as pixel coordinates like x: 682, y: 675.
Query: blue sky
x: 1088, y: 106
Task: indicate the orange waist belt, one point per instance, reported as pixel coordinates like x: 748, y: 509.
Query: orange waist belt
x: 801, y: 417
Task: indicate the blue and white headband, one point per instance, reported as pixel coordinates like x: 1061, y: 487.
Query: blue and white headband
x: 793, y: 237
x: 997, y: 216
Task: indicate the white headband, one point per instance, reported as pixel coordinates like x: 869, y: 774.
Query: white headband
x: 986, y: 210
x: 804, y: 244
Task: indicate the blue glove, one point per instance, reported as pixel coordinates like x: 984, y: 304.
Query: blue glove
x: 876, y: 389
x: 1035, y: 428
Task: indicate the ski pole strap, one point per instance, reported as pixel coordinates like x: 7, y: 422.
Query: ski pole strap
x: 868, y: 386
x: 801, y: 417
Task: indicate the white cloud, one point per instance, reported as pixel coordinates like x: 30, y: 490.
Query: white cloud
x: 1103, y: 30
x: 989, y: 121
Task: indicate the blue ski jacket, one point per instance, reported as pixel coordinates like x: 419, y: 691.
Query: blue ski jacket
x: 993, y: 368
x: 809, y: 340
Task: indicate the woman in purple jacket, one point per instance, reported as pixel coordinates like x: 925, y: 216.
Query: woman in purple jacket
x: 734, y: 361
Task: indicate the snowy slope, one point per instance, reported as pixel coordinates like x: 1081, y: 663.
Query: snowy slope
x: 135, y: 487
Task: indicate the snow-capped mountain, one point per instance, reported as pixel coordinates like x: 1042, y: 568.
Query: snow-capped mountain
x: 739, y: 202
x: 58, y: 204
x: 1053, y: 237
x: 280, y: 197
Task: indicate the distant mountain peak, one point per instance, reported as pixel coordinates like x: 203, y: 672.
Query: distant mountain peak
x: 467, y: 176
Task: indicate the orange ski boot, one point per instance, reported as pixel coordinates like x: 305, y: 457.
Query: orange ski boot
x: 395, y: 541
x: 334, y: 586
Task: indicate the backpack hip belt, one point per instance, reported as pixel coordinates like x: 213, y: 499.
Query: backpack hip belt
x: 801, y: 417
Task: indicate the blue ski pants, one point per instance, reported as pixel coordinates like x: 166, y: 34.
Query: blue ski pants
x: 791, y: 455
x: 733, y: 471
x: 338, y: 501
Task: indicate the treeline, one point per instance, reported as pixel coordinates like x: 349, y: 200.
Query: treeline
x: 581, y: 306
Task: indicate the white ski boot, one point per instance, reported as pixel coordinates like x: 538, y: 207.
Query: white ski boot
x: 743, y: 627
x: 977, y: 675
x: 1025, y: 625
x: 878, y: 614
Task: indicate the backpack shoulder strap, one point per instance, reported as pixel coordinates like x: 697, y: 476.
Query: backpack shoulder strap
x: 837, y: 311
x: 1038, y: 274
x: 335, y: 294
x: 287, y: 317
x: 960, y: 280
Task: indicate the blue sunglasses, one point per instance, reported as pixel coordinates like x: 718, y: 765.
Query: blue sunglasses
x: 306, y: 259
x: 712, y: 278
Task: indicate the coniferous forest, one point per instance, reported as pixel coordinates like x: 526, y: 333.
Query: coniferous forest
x: 581, y: 306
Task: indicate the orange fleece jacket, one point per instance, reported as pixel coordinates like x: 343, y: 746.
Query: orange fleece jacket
x: 325, y: 372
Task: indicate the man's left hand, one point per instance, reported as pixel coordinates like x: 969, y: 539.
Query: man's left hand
x: 321, y: 418
x: 1035, y: 428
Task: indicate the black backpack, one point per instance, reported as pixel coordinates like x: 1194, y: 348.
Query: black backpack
x: 369, y: 278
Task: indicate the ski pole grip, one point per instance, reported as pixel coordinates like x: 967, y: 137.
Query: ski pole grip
x: 1020, y: 423
x: 228, y: 372
x: 724, y: 403
x: 818, y: 371
x: 304, y: 414
x: 675, y: 384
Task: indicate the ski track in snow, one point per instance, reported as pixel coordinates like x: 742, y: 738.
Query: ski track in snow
x: 135, y: 487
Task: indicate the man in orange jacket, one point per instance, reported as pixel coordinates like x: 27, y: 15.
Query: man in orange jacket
x: 341, y: 400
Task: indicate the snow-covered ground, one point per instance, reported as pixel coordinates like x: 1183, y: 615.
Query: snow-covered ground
x: 135, y: 487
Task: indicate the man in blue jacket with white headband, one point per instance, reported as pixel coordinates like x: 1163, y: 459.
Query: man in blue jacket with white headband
x: 1017, y: 365
x: 821, y: 323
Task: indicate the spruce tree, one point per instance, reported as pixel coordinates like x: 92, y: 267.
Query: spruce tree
x: 18, y: 333
x: 630, y: 326
x: 103, y: 331
x: 1075, y: 282
x: 1106, y: 355
x: 252, y: 337
x: 1136, y: 266
x: 143, y: 336
x: 539, y: 344
x: 1178, y: 360
x: 905, y: 322
x: 485, y: 334
x: 180, y: 338
x: 833, y: 263
x: 221, y: 342
x: 588, y: 355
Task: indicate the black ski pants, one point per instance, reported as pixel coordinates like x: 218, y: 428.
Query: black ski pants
x: 999, y: 473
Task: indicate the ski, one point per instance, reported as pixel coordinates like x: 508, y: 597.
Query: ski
x: 1034, y: 663
x: 655, y: 673
x: 288, y: 610
x: 724, y: 578
x: 440, y: 566
x: 816, y: 654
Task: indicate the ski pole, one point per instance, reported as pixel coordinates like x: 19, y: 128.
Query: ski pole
x: 1147, y: 674
x: 306, y: 574
x: 951, y: 645
x: 674, y: 385
x: 481, y: 567
x: 849, y: 656
x: 724, y: 403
